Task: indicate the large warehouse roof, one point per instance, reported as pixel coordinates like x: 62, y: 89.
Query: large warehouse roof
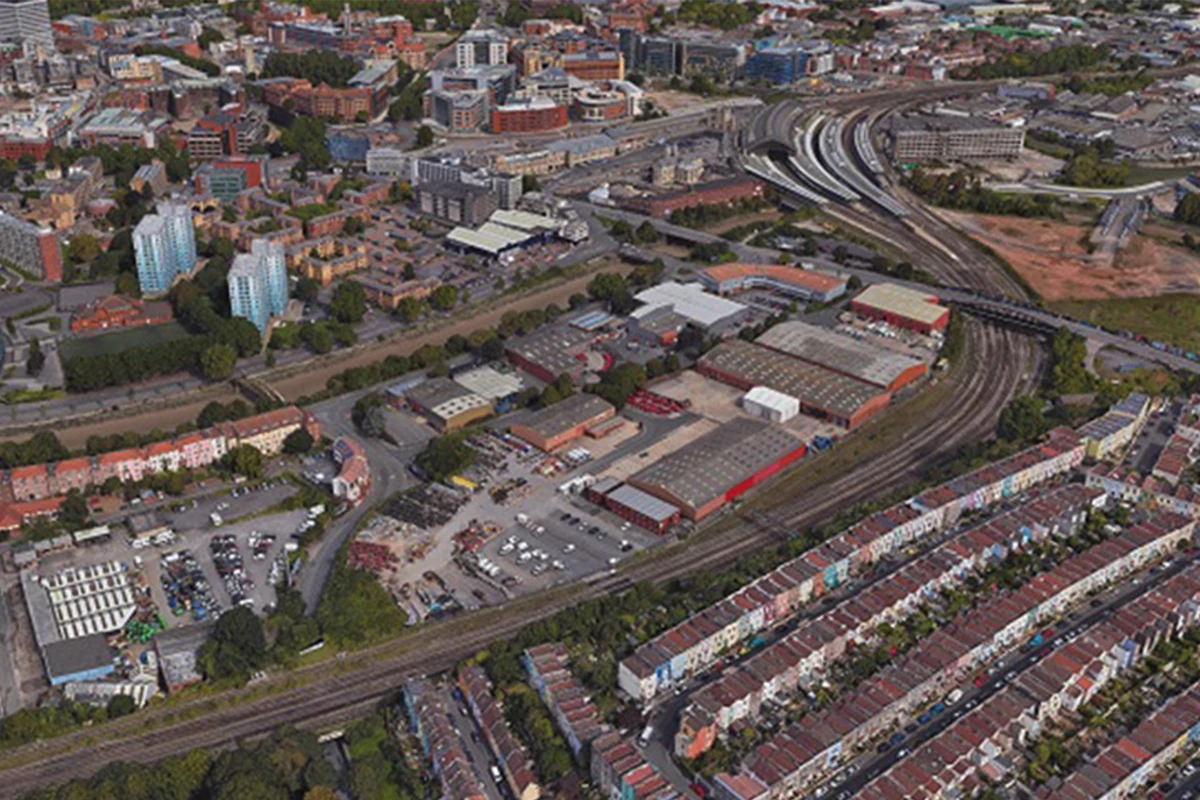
x: 691, y: 301
x: 552, y: 348
x: 567, y: 414
x: 490, y: 383
x: 838, y: 352
x: 707, y: 468
x: 489, y: 238
x: 908, y: 303
x: 815, y: 387
x: 445, y: 399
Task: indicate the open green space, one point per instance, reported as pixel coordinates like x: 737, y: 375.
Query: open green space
x: 311, y: 211
x: 1172, y: 318
x: 1142, y: 174
x: 119, y: 341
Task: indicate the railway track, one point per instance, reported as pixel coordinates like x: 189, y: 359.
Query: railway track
x: 337, y: 695
x: 337, y: 692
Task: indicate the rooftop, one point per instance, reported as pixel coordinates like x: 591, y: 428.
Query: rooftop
x: 838, y: 352
x: 689, y: 300
x: 813, y: 385
x: 706, y: 468
x: 909, y: 303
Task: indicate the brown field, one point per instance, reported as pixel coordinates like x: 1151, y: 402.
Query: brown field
x: 1052, y: 257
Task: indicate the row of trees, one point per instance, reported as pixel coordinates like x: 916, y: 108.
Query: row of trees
x: 1086, y: 168
x: 288, y: 765
x: 962, y: 190
x: 1056, y: 60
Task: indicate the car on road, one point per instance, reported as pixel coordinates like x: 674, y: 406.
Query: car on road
x: 898, y: 737
x: 570, y: 548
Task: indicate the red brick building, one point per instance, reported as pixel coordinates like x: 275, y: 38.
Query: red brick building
x: 530, y: 116
x: 729, y: 190
x: 116, y: 311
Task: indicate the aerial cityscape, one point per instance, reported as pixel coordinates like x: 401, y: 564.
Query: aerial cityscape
x: 599, y: 400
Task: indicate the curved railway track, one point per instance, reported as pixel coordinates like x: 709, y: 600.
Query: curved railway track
x: 995, y: 362
x: 338, y: 694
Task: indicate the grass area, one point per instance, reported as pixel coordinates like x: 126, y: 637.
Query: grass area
x: 311, y: 211
x: 17, y: 396
x: 1139, y: 174
x: 1172, y: 318
x: 120, y: 341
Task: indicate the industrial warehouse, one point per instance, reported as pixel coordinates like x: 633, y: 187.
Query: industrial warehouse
x: 807, y: 285
x: 821, y: 392
x: 902, y: 307
x: 716, y: 468
x: 839, y: 353
x: 550, y: 428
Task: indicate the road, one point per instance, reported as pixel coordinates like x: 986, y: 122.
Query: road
x: 875, y: 764
x: 328, y: 695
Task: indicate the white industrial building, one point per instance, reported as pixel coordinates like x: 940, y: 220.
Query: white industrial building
x: 770, y: 404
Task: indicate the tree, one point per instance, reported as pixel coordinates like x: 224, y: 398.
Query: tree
x: 353, y: 226
x: 320, y: 339
x: 1022, y: 420
x: 444, y: 297
x: 349, y: 303
x: 36, y: 360
x: 238, y: 646
x: 83, y: 248
x: 424, y: 136
x: 120, y: 705
x: 298, y: 441
x: 244, y: 460
x: 307, y: 290
x: 217, y: 361
x: 127, y: 284
x: 74, y: 512
x: 409, y: 309
x: 529, y: 183
x: 444, y: 456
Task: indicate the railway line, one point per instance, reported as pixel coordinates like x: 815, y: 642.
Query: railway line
x: 341, y: 691
x: 995, y: 364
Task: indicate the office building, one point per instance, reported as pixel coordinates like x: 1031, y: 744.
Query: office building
x: 30, y: 248
x: 258, y: 285
x: 164, y: 246
x: 26, y: 21
x: 480, y: 47
x: 942, y: 138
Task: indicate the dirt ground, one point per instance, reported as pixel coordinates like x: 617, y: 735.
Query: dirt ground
x: 1031, y: 164
x: 1052, y: 257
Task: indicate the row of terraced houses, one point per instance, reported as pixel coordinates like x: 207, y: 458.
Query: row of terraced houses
x: 797, y: 659
x: 266, y: 432
x: 808, y: 751
x: 697, y: 643
x: 978, y: 748
x: 683, y: 651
